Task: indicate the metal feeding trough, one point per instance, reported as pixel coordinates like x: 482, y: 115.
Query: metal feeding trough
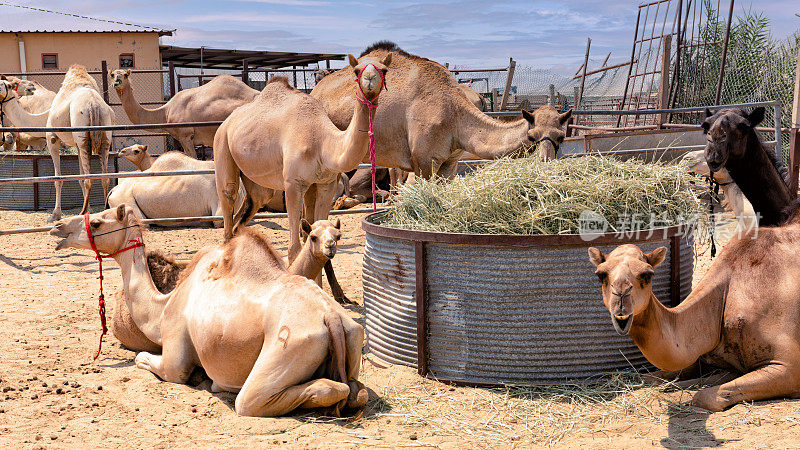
x: 503, y: 309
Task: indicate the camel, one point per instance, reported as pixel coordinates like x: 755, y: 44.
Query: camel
x: 426, y: 122
x: 79, y: 103
x: 283, y: 140
x: 175, y: 196
x: 213, y: 101
x: 276, y: 339
x: 733, y: 143
x: 742, y: 316
x: 34, y: 99
x: 734, y: 200
x: 320, y: 239
x: 476, y: 99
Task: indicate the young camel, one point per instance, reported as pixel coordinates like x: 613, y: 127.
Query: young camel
x: 733, y: 143
x: 284, y: 140
x: 24, y: 89
x: 79, y: 103
x: 275, y: 338
x: 735, y: 200
x: 213, y: 101
x: 319, y: 247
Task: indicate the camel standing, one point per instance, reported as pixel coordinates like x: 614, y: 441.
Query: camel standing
x: 425, y: 122
x: 78, y: 103
x: 34, y: 99
x: 733, y: 143
x: 283, y: 140
x: 213, y: 101
x: 275, y: 338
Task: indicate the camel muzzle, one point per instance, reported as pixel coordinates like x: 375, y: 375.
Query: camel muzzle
x: 622, y: 323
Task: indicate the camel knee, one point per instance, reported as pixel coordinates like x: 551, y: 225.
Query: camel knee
x: 229, y: 193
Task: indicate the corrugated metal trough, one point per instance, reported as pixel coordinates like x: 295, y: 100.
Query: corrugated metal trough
x: 501, y: 309
x: 42, y: 196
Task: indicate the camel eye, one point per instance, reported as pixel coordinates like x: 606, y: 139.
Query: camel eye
x: 646, y: 277
x: 602, y: 276
x: 95, y: 223
x: 313, y: 238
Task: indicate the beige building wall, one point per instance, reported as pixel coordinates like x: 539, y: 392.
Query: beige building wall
x: 90, y: 49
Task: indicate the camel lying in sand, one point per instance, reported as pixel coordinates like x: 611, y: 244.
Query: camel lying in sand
x: 742, y: 316
x: 734, y: 200
x: 275, y: 338
x: 213, y: 101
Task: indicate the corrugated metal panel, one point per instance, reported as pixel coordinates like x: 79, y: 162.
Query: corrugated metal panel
x: 16, y: 196
x: 501, y: 314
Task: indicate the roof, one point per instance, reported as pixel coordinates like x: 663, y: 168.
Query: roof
x: 232, y: 59
x: 26, y: 19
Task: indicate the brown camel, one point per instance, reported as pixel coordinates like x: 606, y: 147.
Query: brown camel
x: 283, y: 140
x: 79, y: 103
x: 425, y: 122
x: 476, y: 99
x: 213, y: 101
x: 741, y: 317
x: 275, y: 338
x: 319, y: 247
x: 733, y: 143
x: 24, y: 90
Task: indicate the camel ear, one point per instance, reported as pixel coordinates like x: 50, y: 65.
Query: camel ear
x: 144, y: 147
x: 387, y: 60
x: 3, y: 77
x: 337, y: 224
x: 529, y: 117
x: 756, y: 116
x: 128, y: 72
x: 709, y: 113
x: 656, y: 257
x: 305, y: 227
x: 596, y: 256
x: 563, y: 118
x: 121, y: 212
x: 352, y: 59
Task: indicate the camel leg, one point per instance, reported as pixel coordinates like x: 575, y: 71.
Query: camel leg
x: 226, y: 175
x: 272, y: 388
x: 176, y: 361
x: 295, y: 190
x: 85, y: 169
x: 104, y: 147
x: 322, y: 209
x: 53, y: 146
x: 258, y: 196
x: 354, y: 341
x: 771, y: 381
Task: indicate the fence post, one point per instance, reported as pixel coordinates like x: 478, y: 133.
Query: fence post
x: 583, y: 76
x: 721, y: 78
x: 663, y: 92
x: 104, y: 77
x: 245, y: 72
x: 794, y: 158
x: 511, y: 65
x: 171, y: 66
x: 796, y: 101
x: 552, y: 98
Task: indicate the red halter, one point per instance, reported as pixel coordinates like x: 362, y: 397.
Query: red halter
x: 371, y: 105
x: 99, y: 257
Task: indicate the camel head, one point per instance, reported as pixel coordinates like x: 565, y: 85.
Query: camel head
x: 108, y: 228
x: 696, y: 162
x: 321, y: 237
x: 726, y: 134
x: 373, y: 73
x: 17, y: 85
x: 546, y: 129
x: 120, y: 78
x: 626, y: 275
x: 134, y: 153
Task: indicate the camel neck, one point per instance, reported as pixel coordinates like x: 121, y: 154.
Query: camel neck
x: 21, y: 118
x: 674, y: 338
x: 350, y: 146
x: 136, y: 113
x: 306, y: 264
x: 486, y: 137
x: 143, y: 299
x: 759, y: 180
x: 145, y: 163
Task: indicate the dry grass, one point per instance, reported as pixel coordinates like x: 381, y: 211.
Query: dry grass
x: 526, y: 196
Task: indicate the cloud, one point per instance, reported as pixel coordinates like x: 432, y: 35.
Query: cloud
x: 299, y: 21
x: 289, y: 2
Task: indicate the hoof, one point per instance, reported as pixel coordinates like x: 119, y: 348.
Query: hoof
x: 55, y: 217
x: 709, y: 400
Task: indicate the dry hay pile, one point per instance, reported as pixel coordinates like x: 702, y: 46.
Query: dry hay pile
x: 527, y: 196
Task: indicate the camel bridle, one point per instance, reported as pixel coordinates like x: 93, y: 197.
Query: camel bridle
x: 371, y: 105
x: 99, y: 257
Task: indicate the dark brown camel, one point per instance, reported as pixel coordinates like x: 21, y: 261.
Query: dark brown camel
x: 733, y: 142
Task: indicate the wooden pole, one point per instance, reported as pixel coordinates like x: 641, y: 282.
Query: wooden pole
x: 663, y: 92
x: 104, y: 75
x: 721, y: 78
x: 583, y: 76
x: 510, y: 76
x: 796, y: 102
x: 245, y: 72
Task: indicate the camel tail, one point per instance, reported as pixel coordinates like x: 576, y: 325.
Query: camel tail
x: 95, y: 138
x: 338, y: 346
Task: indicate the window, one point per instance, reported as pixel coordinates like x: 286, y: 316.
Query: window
x: 49, y: 60
x: 126, y: 60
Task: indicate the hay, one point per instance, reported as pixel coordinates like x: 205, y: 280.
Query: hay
x: 527, y: 196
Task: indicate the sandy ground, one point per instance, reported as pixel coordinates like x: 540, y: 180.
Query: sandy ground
x: 52, y: 394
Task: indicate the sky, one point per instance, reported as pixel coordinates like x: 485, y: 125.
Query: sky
x: 476, y: 33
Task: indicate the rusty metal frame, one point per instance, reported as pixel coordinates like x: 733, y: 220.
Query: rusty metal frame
x: 421, y: 238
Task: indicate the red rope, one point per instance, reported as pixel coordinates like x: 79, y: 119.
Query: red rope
x: 101, y: 299
x: 371, y: 105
